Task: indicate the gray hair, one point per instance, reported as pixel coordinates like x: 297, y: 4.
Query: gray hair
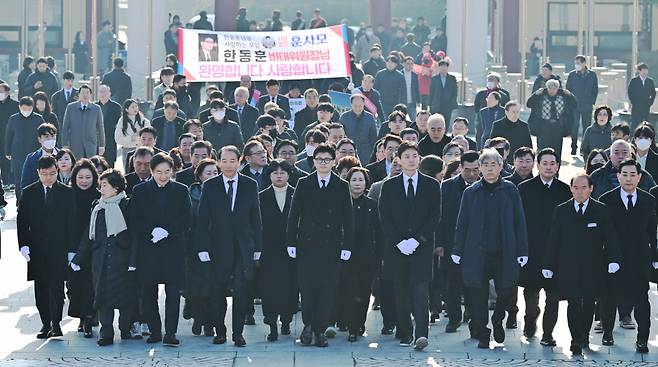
x: 552, y: 83
x: 103, y: 87
x: 493, y: 75
x: 241, y: 90
x: 490, y: 154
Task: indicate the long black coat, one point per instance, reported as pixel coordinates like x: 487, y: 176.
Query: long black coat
x: 443, y: 98
x: 111, y: 114
x: 641, y: 97
x: 48, y: 230
x: 635, y: 229
x: 452, y: 190
x: 246, y: 120
x: 220, y: 230
x: 161, y: 262
x: 320, y: 225
x: 278, y: 271
x: 197, y: 275
x: 580, y: 247
x: 120, y: 84
x: 110, y: 258
x: 402, y: 219
x: 366, y: 252
x: 538, y: 204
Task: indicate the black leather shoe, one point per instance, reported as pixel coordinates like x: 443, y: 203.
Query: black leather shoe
x: 387, y: 330
x: 55, y: 332
x: 351, y: 338
x: 576, y: 349
x: 574, y: 151
x: 406, y: 341
x: 44, y: 333
x: 548, y: 341
x: 196, y: 327
x: 208, y: 330
x: 307, y: 335
x: 641, y: 347
x: 452, y: 327
x: 483, y: 344
x: 219, y: 339
x: 434, y: 317
x: 249, y: 320
x: 608, y: 339
x: 321, y: 340
x: 274, y: 333
x: 104, y: 341
x: 285, y: 329
x: 81, y: 326
x: 498, y: 332
x: 87, y: 333
x: 170, y: 340
x: 153, y: 338
x: 239, y: 341
x: 530, y: 329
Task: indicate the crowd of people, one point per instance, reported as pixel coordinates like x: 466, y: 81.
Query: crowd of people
x: 391, y: 200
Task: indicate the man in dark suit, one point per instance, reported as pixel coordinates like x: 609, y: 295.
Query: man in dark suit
x: 273, y: 95
x: 200, y: 150
x: 119, y: 82
x: 46, y: 224
x: 412, y: 96
x: 581, y: 228
x: 633, y: 213
x: 641, y: 93
x: 142, y: 170
x: 60, y: 99
x: 540, y: 195
x: 409, y: 210
x: 161, y: 210
x: 524, y: 159
x: 256, y: 157
x: 169, y: 127
x: 380, y: 170
x: 208, y: 48
x: 229, y: 238
x: 111, y: 113
x: 148, y: 137
x: 443, y: 91
x: 320, y: 235
x: 246, y: 113
x: 308, y: 114
x: 451, y: 196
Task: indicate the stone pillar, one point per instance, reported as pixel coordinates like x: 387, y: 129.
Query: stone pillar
x: 380, y: 13
x: 469, y: 42
x: 511, y: 56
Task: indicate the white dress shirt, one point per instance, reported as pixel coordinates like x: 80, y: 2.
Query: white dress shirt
x: 549, y: 183
x: 624, y: 197
x: 405, y: 180
x: 326, y: 180
x: 575, y: 205
x: 235, y: 188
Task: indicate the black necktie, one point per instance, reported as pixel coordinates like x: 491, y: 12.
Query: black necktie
x: 547, y: 186
x: 630, y: 202
x: 84, y: 107
x: 240, y: 109
x: 47, y: 196
x: 580, y: 208
x: 410, y: 189
x: 324, y: 184
x: 230, y: 193
x: 68, y: 95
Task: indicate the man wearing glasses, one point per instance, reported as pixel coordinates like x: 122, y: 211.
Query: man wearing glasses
x: 320, y: 235
x: 287, y: 150
x: 256, y: 157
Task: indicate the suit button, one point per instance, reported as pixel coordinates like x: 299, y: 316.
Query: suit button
x: 328, y: 225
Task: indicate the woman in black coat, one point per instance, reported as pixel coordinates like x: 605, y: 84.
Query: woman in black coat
x: 358, y: 273
x: 81, y: 291
x: 81, y: 52
x: 197, y: 276
x: 279, y: 274
x: 112, y: 250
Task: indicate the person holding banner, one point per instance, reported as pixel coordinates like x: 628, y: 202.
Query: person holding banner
x: 273, y: 95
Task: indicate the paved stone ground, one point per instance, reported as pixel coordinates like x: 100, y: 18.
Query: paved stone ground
x: 19, y: 323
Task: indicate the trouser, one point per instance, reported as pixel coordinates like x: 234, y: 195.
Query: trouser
x: 357, y: 301
x: 317, y: 306
x: 106, y: 319
x: 447, y: 113
x: 387, y: 303
x: 49, y: 298
x: 453, y: 295
x: 638, y: 116
x: 581, y: 118
x: 252, y: 287
x: 240, y: 302
x: 16, y: 171
x: 5, y: 167
x: 412, y: 298
x: 638, y: 298
x: 411, y: 111
x: 172, y: 307
x: 437, y: 286
x: 512, y: 307
x: 478, y: 297
x: 201, y: 310
x: 195, y: 97
x: 551, y: 137
x: 580, y: 312
x: 531, y: 296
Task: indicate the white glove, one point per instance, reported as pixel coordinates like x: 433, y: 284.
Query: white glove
x: 256, y: 256
x: 522, y: 260
x: 404, y: 247
x: 132, y: 268
x: 345, y: 255
x: 613, y: 268
x: 292, y: 252
x: 70, y: 256
x: 350, y: 86
x: 655, y: 264
x: 2, y: 213
x: 204, y: 257
x: 75, y: 267
x: 456, y: 259
x: 547, y: 273
x: 25, y: 251
x: 158, y: 234
x: 413, y: 244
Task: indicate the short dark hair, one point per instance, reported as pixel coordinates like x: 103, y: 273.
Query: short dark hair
x: 590, y: 182
x: 169, y: 92
x: 524, y: 151
x: 631, y: 163
x: 65, y: 151
x: 394, y: 59
x: 498, y: 140
x: 642, y: 66
x: 621, y: 127
x: 229, y: 148
x: 117, y: 62
x: 46, y: 128
x: 143, y: 152
x: 148, y: 130
x: 278, y: 163
x: 317, y: 135
x: 191, y: 122
x: 216, y: 94
x: 390, y: 137
x: 511, y: 104
x: 347, y: 162
x: 451, y: 145
x: 285, y: 142
x: 603, y: 107
x: 179, y: 77
x: 276, y: 112
x: 217, y: 103
x: 99, y: 160
x: 271, y: 82
x: 431, y: 165
x: 395, y: 114
x: 324, y: 98
x: 326, y: 107
x: 366, y: 175
x: 185, y: 135
x: 167, y: 71
x: 344, y: 141
x: 646, y: 130
x: 202, y: 144
x: 201, y: 166
x: 548, y: 151
x: 406, y: 145
x: 462, y: 119
x: 27, y: 61
x: 85, y: 86
x: 265, y: 120
x: 161, y: 158
x: 79, y: 166
x: 68, y: 75
x: 469, y: 156
x: 409, y: 130
x: 26, y: 101
x: 115, y: 178
x: 325, y: 148
x: 400, y: 107
x: 5, y: 87
x: 46, y: 161
x: 172, y: 105
x: 335, y: 125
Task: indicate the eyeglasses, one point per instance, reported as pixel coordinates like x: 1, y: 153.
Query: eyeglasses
x: 286, y: 154
x: 260, y: 152
x: 323, y: 160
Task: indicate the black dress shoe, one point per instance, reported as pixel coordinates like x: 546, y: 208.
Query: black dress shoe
x: 55, y: 332
x: 285, y: 329
x: 529, y: 330
x: 104, y: 341
x: 219, y: 339
x: 498, y: 332
x: 352, y: 338
x: 548, y: 341
x: 576, y: 349
x: 153, y: 338
x: 274, y: 333
x: 452, y: 327
x: 208, y: 330
x: 249, y: 320
x: 574, y: 151
x: 80, y: 326
x: 387, y: 330
x: 196, y: 327
x: 307, y: 335
x: 406, y: 341
x: 434, y: 317
x: 170, y: 340
x: 44, y: 333
x: 239, y: 341
x: 321, y: 340
x: 483, y: 344
x: 641, y: 347
x: 608, y: 340
x: 87, y: 328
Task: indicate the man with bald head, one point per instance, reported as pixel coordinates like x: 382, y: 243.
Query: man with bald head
x: 436, y: 138
x: 605, y: 178
x: 111, y: 114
